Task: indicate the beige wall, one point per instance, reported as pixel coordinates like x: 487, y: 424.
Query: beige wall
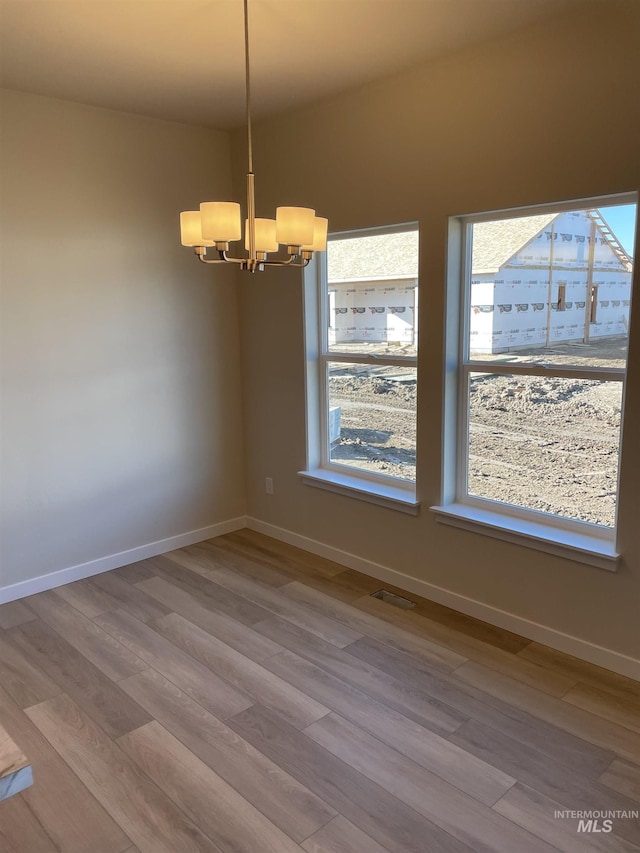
x: 550, y: 114
x: 121, y: 410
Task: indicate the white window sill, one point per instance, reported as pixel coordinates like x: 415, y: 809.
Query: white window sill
x: 390, y: 496
x: 586, y: 548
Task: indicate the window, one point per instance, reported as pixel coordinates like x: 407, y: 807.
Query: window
x: 562, y: 296
x: 537, y: 352
x: 362, y: 336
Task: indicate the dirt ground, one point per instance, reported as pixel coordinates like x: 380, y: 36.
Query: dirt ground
x: 541, y: 442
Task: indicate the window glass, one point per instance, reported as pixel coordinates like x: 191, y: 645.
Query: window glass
x: 545, y: 334
x: 373, y: 293
x: 368, y: 304
x: 546, y: 444
x: 372, y: 418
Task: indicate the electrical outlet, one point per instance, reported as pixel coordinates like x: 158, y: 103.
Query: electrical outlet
x: 268, y: 485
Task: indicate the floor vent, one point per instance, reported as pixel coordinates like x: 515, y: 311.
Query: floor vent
x: 392, y: 598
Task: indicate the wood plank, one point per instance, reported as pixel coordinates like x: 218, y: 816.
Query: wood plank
x: 491, y: 634
x: 23, y: 732
x: 581, y: 670
x: 87, y: 598
x: 25, y: 682
x: 275, y: 793
x: 282, y: 553
x: 403, y: 697
x: 535, y: 812
x: 274, y: 602
x: 21, y: 831
x: 15, y: 770
x: 621, y: 711
x: 261, y: 684
x: 83, y: 634
x: 61, y: 803
x: 350, y: 586
x: 129, y: 597
x: 359, y: 582
x: 147, y: 815
x: 135, y: 572
x: 12, y: 758
x: 261, y: 566
x: 15, y: 613
x: 69, y: 813
x: 212, y: 595
x: 336, y: 587
x: 199, y: 562
x: 341, y: 836
x: 366, y: 585
x: 539, y: 771
x: 478, y: 778
x: 217, y: 555
x: 196, y: 680
x: 462, y: 624
x: 437, y: 656
x: 168, y: 562
x: 228, y: 819
x: 103, y: 700
x: 368, y: 806
x: 516, y: 722
x: 464, y: 818
x: 623, y: 776
x: 516, y: 666
x: 580, y: 723
x: 240, y: 637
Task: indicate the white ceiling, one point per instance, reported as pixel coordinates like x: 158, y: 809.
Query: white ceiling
x: 183, y: 59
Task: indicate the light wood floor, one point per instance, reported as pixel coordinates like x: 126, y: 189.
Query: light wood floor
x: 242, y: 696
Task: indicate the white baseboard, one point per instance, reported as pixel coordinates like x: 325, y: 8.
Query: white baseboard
x: 114, y: 561
x: 509, y: 621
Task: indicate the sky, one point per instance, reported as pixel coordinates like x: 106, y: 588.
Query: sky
x: 621, y: 219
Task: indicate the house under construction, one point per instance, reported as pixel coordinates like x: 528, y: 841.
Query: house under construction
x: 542, y: 280
x: 535, y: 281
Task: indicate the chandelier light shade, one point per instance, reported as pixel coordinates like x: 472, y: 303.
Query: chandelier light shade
x: 294, y: 225
x: 219, y: 223
x: 320, y: 229
x: 266, y: 240
x: 191, y: 229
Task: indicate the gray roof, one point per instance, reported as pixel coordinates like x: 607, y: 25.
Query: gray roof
x: 377, y: 256
x: 495, y: 242
x: 396, y: 254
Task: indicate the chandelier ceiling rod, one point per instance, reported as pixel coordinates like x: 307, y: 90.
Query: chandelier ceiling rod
x: 247, y: 78
x: 251, y: 186
x: 219, y: 223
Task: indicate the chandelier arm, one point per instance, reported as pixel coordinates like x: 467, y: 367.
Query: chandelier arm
x: 246, y: 263
x: 210, y: 260
x: 231, y: 260
x: 290, y: 263
x: 201, y: 252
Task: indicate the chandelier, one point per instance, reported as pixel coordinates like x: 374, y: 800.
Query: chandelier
x: 218, y: 223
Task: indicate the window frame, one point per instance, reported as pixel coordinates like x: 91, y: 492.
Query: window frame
x: 321, y: 471
x: 584, y: 541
